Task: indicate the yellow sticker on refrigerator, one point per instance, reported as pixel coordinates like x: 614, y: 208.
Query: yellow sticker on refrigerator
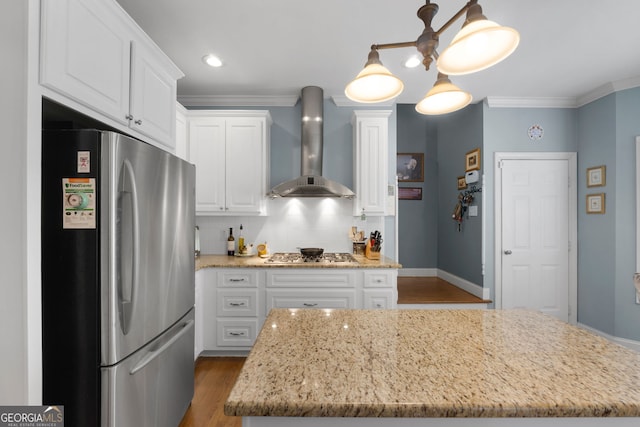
x: 79, y: 203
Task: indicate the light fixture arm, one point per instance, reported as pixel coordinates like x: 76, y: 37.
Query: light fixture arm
x: 428, y: 41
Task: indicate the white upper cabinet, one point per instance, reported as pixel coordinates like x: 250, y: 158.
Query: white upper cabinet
x: 370, y: 154
x: 94, y: 54
x: 231, y: 152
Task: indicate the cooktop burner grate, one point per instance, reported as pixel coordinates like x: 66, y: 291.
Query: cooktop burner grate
x: 297, y: 258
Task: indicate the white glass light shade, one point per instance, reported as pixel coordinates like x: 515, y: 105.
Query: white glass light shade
x: 477, y: 46
x: 444, y: 97
x: 374, y: 84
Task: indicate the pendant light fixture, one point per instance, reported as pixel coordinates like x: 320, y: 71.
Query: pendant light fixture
x: 444, y: 97
x: 478, y: 45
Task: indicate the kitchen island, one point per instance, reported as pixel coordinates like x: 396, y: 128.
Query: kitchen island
x: 433, y: 367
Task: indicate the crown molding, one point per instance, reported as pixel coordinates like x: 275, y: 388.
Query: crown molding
x: 238, y: 101
x: 510, y: 102
x: 595, y: 94
x: 607, y: 89
x: 343, y: 101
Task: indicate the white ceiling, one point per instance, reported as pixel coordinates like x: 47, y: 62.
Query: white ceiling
x: 569, y: 49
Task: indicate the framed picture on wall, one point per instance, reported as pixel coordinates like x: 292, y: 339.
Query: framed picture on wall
x: 462, y: 183
x: 472, y: 160
x: 595, y: 203
x: 597, y: 176
x: 410, y: 167
x: 409, y: 193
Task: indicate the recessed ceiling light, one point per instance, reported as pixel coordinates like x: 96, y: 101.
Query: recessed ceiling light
x: 413, y: 62
x: 212, y: 60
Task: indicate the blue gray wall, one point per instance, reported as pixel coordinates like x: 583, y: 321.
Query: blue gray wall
x: 418, y: 219
x: 459, y: 249
x: 606, y: 299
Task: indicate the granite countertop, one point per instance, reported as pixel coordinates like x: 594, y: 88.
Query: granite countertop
x: 224, y: 261
x: 433, y: 363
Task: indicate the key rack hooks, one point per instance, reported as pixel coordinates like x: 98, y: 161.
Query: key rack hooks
x: 465, y: 198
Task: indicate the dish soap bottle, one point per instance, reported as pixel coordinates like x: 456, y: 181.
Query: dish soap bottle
x: 231, y: 243
x: 241, y: 247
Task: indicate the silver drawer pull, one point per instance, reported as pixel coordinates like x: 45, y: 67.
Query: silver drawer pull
x: 237, y: 280
x: 309, y: 304
x: 237, y: 334
x: 237, y: 304
x: 379, y: 305
x: 379, y: 281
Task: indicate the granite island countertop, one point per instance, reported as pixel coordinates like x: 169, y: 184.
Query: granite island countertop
x: 225, y: 261
x: 433, y: 363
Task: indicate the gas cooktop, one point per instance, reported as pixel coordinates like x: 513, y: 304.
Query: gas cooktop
x: 297, y: 258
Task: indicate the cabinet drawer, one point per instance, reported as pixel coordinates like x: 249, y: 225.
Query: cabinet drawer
x: 239, y: 278
x: 326, y: 278
x: 237, y: 302
x: 305, y: 298
x: 379, y: 279
x: 379, y: 299
x: 236, y: 332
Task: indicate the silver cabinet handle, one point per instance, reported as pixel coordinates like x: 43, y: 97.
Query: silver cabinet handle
x: 128, y: 117
x: 309, y: 304
x: 237, y: 334
x: 237, y: 304
x: 236, y: 280
x: 138, y: 122
x: 508, y: 252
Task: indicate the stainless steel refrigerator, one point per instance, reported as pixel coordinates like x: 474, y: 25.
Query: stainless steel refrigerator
x: 117, y: 280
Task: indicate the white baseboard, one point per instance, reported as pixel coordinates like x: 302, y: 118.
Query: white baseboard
x: 418, y: 272
x: 632, y: 344
x: 466, y: 285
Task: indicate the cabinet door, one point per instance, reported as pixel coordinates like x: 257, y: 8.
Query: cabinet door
x: 85, y: 55
x: 245, y: 154
x: 153, y: 96
x: 207, y: 152
x: 371, y: 147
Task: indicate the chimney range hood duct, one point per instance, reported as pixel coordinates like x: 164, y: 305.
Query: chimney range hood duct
x: 311, y: 183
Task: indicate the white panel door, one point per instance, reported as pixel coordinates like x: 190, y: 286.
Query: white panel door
x: 535, y: 236
x: 207, y: 152
x: 244, y: 175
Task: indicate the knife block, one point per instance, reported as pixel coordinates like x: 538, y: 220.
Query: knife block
x: 369, y: 253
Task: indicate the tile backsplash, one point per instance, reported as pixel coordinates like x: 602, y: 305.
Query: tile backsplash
x: 290, y: 224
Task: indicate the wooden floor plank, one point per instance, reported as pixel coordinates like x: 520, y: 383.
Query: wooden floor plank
x: 432, y: 290
x: 214, y: 379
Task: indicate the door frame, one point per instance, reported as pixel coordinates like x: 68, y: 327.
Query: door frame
x: 571, y: 158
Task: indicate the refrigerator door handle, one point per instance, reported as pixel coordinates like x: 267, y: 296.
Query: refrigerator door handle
x: 149, y: 357
x: 129, y: 245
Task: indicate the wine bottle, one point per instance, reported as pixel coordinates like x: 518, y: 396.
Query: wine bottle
x: 241, y: 247
x: 231, y: 243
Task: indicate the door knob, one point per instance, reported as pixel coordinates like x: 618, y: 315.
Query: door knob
x: 508, y: 252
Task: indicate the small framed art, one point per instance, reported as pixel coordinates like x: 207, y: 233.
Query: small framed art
x: 410, y: 167
x: 462, y: 183
x: 472, y: 160
x: 597, y: 176
x: 409, y: 193
x: 595, y: 203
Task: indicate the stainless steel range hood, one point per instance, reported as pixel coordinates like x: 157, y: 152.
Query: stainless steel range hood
x: 311, y: 183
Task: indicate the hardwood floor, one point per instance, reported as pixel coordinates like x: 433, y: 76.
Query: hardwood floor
x: 432, y: 290
x: 214, y: 378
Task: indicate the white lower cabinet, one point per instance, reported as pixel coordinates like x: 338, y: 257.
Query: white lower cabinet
x: 232, y: 303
